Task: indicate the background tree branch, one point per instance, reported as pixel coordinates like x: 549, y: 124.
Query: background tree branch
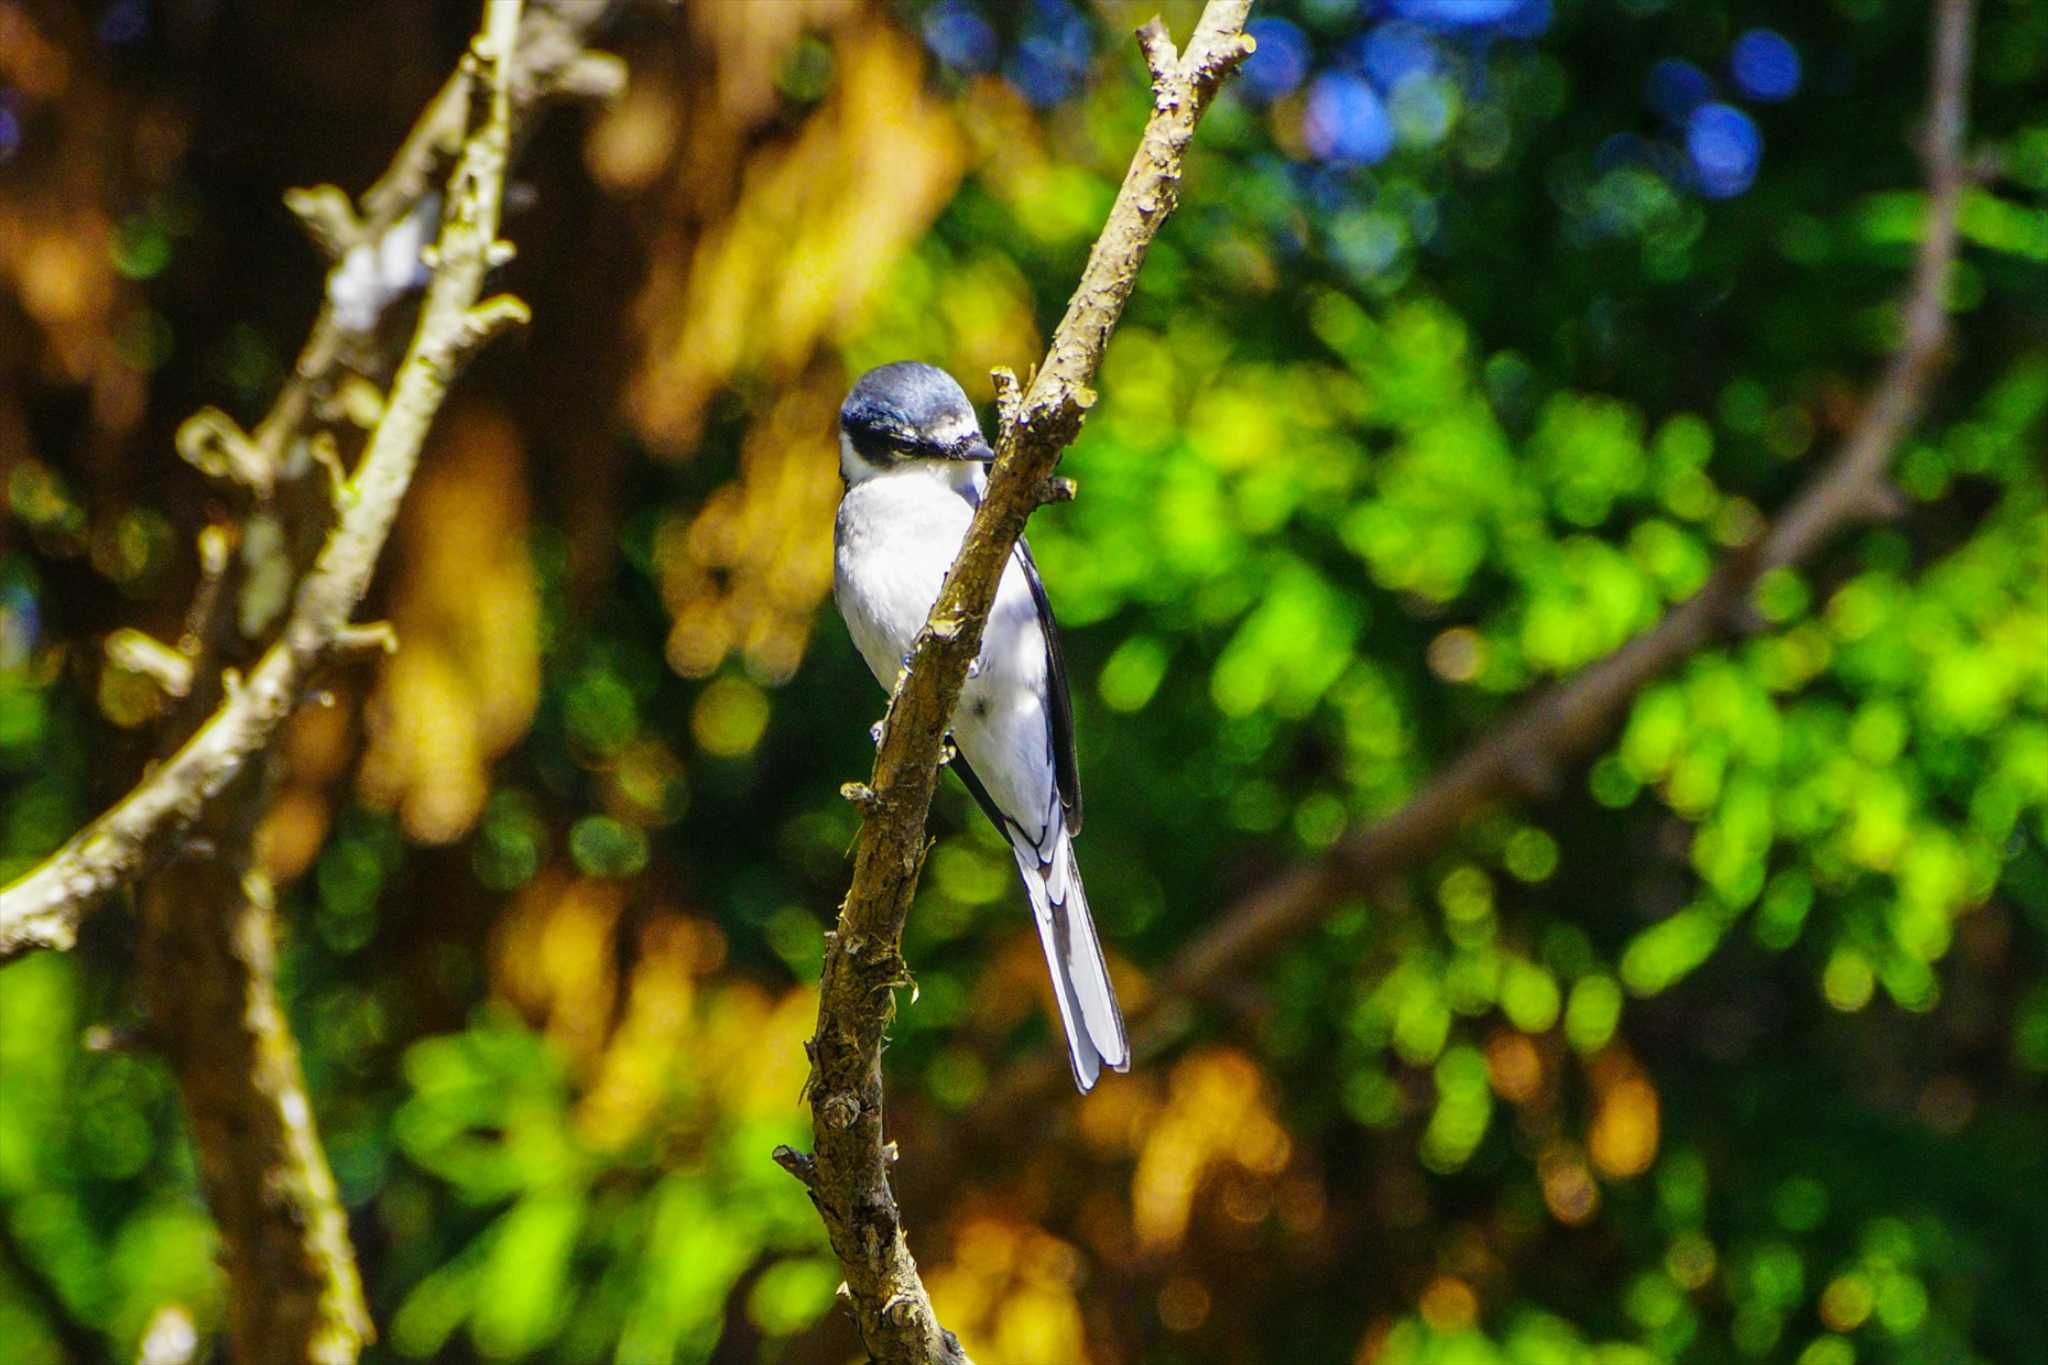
x: 209, y: 946
x: 42, y: 908
x: 209, y: 972
x: 848, y: 1176
x: 1563, y: 724
x: 209, y: 943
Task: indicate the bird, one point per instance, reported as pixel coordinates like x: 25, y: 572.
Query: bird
x: 914, y: 462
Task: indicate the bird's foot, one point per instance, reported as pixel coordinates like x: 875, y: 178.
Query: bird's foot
x: 875, y: 733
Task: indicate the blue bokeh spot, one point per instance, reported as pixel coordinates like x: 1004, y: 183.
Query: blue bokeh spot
x: 1675, y: 88
x: 1279, y: 64
x: 1393, y: 51
x: 1346, y: 120
x: 1723, y: 149
x: 123, y: 22
x: 958, y: 36
x: 1465, y: 14
x: 1765, y: 65
x: 1531, y: 19
x: 1052, y: 60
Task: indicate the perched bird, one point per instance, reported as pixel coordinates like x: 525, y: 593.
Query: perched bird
x: 914, y: 460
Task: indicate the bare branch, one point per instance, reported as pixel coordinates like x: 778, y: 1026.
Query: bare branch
x: 1565, y: 723
x: 210, y: 949
x: 209, y: 923
x: 551, y: 62
x: 43, y: 907
x: 848, y: 1177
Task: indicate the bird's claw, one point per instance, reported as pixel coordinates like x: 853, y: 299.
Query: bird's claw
x: 974, y: 667
x: 875, y: 733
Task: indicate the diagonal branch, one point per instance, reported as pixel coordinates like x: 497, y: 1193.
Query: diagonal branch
x: 209, y: 972
x: 1567, y: 722
x: 848, y: 1177
x: 42, y: 908
x: 208, y: 948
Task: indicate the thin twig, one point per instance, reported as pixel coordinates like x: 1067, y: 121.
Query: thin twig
x: 1567, y: 722
x: 552, y: 62
x: 848, y: 1176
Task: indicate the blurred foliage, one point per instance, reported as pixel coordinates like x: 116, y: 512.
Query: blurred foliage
x: 1486, y: 328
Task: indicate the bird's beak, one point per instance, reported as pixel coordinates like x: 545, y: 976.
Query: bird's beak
x: 976, y: 451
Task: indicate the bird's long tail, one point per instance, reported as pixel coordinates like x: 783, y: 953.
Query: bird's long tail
x: 1080, y: 978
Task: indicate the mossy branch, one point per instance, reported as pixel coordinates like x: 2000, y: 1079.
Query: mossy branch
x: 848, y: 1176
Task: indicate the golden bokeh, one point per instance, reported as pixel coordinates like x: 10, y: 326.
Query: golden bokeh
x: 1216, y: 1113
x: 467, y: 610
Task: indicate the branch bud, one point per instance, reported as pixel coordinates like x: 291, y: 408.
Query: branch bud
x: 211, y: 442
x: 328, y: 218
x: 840, y: 1111
x: 591, y: 76
x: 802, y: 1165
x: 499, y: 313
x: 365, y: 640
x: 138, y: 653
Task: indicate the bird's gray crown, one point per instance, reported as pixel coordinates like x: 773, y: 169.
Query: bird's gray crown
x: 911, y: 411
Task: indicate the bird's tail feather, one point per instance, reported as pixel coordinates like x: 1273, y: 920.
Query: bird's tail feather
x: 1080, y: 977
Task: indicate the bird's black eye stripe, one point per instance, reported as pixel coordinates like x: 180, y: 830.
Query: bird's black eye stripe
x: 907, y: 447
x: 881, y: 447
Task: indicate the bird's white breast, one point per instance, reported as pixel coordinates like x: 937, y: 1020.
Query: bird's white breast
x: 897, y: 534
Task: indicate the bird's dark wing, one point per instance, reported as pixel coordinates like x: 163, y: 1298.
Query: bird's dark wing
x: 1060, y: 708
x: 1058, y: 705
x: 980, y: 794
